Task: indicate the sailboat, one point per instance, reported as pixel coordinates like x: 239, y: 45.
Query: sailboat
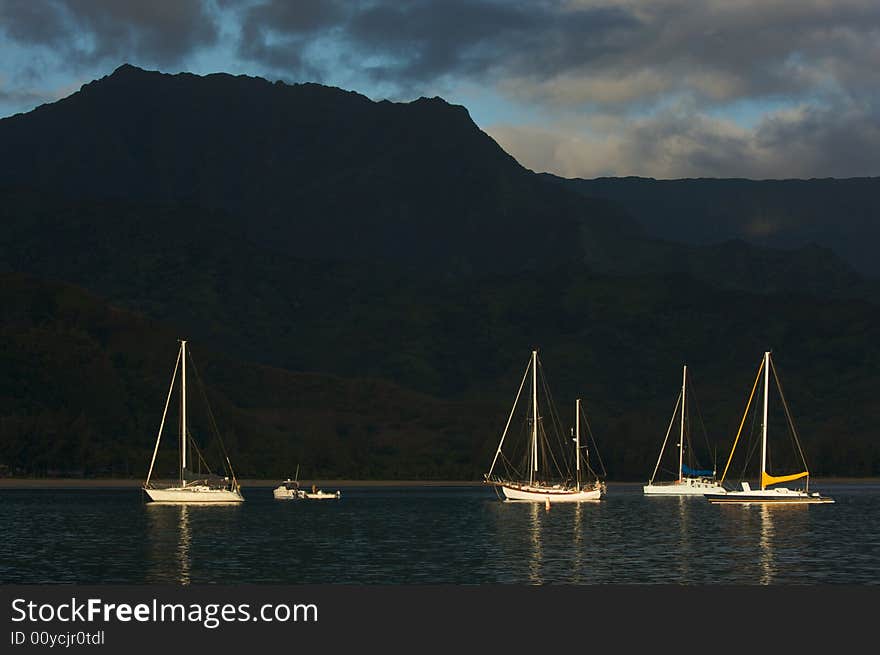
x: 191, y: 487
x: 690, y: 481
x: 769, y: 491
x: 545, y: 475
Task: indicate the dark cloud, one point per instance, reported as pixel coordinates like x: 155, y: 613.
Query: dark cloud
x: 716, y: 51
x: 90, y: 31
x: 28, y: 22
x: 801, y: 142
x: 662, y: 81
x: 277, y: 33
x: 644, y: 87
x: 412, y: 43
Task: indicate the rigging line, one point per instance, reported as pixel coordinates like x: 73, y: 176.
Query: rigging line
x: 162, y: 424
x: 556, y: 426
x: 555, y: 421
x: 511, y: 466
x: 754, y: 386
x: 211, y: 416
x: 586, y: 459
x: 797, y: 440
x: 753, y: 442
x: 519, y: 453
x: 666, y: 438
x: 193, y: 443
x: 692, y: 406
x: 510, y: 417
x: 546, y: 450
x: 593, y: 440
x: 700, y: 416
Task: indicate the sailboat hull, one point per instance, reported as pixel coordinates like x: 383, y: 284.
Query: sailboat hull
x: 197, y: 494
x: 687, y: 487
x: 536, y: 494
x: 778, y: 496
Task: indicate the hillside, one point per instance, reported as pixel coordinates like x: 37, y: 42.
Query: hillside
x: 364, y: 282
x: 83, y: 384
x: 838, y: 214
x: 305, y: 169
x: 317, y: 172
x: 619, y: 344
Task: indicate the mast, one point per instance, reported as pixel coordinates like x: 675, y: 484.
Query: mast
x: 764, y: 426
x: 534, y: 417
x: 577, y: 441
x: 681, y: 437
x: 182, y: 411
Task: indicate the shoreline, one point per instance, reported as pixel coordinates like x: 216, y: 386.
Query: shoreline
x: 123, y: 483
x: 116, y: 483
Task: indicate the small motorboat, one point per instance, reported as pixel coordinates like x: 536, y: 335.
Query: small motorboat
x: 290, y: 490
x: 320, y: 494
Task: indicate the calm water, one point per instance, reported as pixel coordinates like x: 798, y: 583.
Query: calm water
x: 436, y: 535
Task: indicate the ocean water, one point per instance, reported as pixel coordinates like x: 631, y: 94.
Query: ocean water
x: 430, y: 535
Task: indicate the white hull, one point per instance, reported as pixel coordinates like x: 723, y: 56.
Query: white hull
x: 538, y: 494
x: 776, y: 496
x: 280, y: 493
x: 323, y: 495
x: 687, y: 487
x: 286, y: 494
x: 196, y: 494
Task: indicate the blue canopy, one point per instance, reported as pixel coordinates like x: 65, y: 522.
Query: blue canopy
x: 687, y: 470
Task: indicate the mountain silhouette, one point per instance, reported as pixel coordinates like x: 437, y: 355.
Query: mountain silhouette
x: 322, y: 246
x: 306, y: 169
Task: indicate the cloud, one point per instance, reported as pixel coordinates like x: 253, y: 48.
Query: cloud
x: 415, y: 43
x: 626, y: 87
x: 89, y: 31
x: 643, y: 87
x: 19, y: 96
x: 680, y: 142
x: 605, y: 53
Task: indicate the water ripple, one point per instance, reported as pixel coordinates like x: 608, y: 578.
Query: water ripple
x: 438, y: 535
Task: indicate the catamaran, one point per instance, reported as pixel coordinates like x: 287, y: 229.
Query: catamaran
x: 547, y: 472
x: 691, y: 480
x: 766, y: 494
x: 191, y: 487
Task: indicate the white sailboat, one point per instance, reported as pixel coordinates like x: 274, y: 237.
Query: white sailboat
x: 769, y: 493
x: 191, y: 487
x: 690, y: 481
x: 549, y: 478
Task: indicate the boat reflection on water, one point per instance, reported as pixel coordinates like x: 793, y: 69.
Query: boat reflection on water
x: 536, y: 542
x: 773, y: 529
x: 578, y: 542
x: 766, y: 545
x: 685, y: 505
x: 171, y: 533
x: 779, y: 524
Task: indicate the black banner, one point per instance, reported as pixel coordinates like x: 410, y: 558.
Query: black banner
x: 330, y: 618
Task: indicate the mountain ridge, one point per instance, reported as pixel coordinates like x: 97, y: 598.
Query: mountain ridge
x: 397, y: 243
x: 838, y: 213
x: 298, y: 167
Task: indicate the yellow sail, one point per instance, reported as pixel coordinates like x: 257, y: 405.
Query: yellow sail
x: 767, y: 479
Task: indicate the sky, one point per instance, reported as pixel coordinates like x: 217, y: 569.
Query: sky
x: 580, y: 88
